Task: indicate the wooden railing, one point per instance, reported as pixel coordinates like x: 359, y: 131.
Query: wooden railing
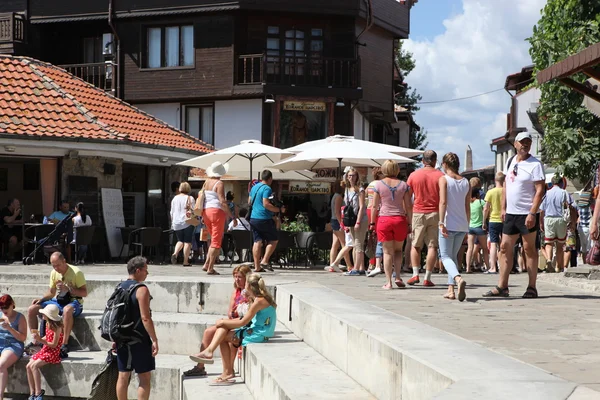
x: 12, y: 27
x: 255, y: 69
x: 101, y: 75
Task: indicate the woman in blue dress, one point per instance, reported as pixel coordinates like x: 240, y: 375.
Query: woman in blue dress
x: 257, y: 326
x: 13, y: 332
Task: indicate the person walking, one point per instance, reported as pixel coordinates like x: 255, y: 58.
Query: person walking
x: 454, y: 209
x: 492, y: 212
x: 476, y: 231
x: 391, y: 211
x: 138, y: 357
x: 424, y: 186
x: 554, y: 225
x: 215, y: 213
x: 354, y: 198
x: 522, y: 195
x: 181, y: 205
x: 337, y: 241
x: 374, y: 262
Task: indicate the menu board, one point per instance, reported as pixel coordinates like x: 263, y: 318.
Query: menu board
x: 112, y: 211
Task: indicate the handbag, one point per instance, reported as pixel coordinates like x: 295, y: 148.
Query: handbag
x: 566, y: 208
x: 593, y: 256
x: 190, y: 218
x: 371, y: 244
x: 64, y: 298
x: 200, y: 202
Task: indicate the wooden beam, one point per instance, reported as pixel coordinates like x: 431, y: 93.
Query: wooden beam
x: 578, y: 87
x: 592, y: 73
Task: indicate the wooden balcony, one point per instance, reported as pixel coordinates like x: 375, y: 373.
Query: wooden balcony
x: 12, y: 28
x: 260, y: 69
x: 98, y: 74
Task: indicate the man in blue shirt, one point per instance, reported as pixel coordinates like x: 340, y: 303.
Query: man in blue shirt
x: 61, y: 214
x: 263, y: 225
x: 554, y: 226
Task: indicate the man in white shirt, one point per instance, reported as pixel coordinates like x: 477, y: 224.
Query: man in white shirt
x: 522, y: 195
x: 243, y: 224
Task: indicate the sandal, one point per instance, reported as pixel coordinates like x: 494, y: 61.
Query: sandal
x: 201, y: 360
x: 530, y: 293
x: 268, y: 267
x: 462, y: 294
x: 220, y: 381
x: 499, y: 292
x: 213, y: 272
x: 399, y: 283
x: 450, y: 296
x: 387, y: 286
x: 187, y: 265
x: 196, y: 371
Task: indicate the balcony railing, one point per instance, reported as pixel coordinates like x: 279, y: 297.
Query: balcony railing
x: 256, y: 69
x: 12, y: 27
x: 98, y: 74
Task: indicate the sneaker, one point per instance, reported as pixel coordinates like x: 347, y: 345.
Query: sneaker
x: 363, y: 272
x: 64, y: 351
x: 39, y: 396
x: 173, y: 259
x: 413, y: 280
x: 334, y: 268
x: 428, y: 283
x: 374, y: 272
x: 354, y: 272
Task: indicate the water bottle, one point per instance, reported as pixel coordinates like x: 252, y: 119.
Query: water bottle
x: 45, y: 220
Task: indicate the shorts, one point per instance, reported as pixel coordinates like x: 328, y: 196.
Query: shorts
x: 571, y: 242
x: 214, y: 219
x: 478, y: 231
x: 515, y: 225
x: 495, y: 230
x: 555, y: 230
x: 16, y: 348
x: 392, y: 229
x: 425, y: 230
x: 584, y: 238
x: 335, y: 225
x: 77, y: 306
x: 141, y: 358
x: 359, y: 236
x: 185, y: 235
x: 349, y: 241
x: 264, y: 230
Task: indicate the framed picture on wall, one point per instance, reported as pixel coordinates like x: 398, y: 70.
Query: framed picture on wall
x: 3, y: 179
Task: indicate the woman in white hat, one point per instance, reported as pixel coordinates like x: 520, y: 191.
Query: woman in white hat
x: 215, y: 212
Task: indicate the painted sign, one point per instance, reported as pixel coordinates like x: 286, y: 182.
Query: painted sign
x: 309, y: 188
x: 319, y: 106
x: 112, y: 212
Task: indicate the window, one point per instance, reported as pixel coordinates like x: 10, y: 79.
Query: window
x: 170, y: 46
x: 94, y: 48
x: 199, y: 122
x: 273, y: 50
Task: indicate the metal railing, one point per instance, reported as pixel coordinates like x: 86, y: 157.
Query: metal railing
x: 98, y: 74
x: 12, y: 27
x: 254, y: 69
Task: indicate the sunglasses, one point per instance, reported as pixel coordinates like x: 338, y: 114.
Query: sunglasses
x: 516, y: 169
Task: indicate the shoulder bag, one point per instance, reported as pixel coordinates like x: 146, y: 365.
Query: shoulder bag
x: 190, y: 218
x: 200, y: 202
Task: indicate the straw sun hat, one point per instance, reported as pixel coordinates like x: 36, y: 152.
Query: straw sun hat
x: 52, y: 312
x: 217, y: 169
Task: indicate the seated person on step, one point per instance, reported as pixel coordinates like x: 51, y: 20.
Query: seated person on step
x: 67, y: 290
x: 11, y: 221
x: 13, y: 332
x: 257, y: 326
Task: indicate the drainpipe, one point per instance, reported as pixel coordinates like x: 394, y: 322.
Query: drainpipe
x: 118, y: 50
x: 370, y: 21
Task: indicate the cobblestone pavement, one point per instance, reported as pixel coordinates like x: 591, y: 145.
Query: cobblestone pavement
x: 559, y: 332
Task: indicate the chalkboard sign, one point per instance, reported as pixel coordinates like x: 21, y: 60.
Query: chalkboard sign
x: 112, y: 212
x: 84, y: 189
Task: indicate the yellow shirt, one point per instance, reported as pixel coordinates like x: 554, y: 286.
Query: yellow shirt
x: 494, y: 198
x: 73, y: 277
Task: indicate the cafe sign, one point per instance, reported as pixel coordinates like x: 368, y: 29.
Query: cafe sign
x: 320, y: 106
x: 309, y: 188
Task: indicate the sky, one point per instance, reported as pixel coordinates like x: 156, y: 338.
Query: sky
x: 462, y: 48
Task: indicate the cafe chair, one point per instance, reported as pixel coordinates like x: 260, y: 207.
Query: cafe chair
x: 84, y: 236
x: 143, y: 238
x: 242, y: 241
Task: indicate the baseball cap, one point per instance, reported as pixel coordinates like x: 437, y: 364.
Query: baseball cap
x: 522, y: 136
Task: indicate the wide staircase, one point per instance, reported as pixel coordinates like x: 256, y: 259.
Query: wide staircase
x: 327, y: 346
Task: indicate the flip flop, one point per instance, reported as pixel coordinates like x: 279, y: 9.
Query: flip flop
x: 387, y: 286
x: 399, y: 283
x: 201, y: 360
x: 213, y: 272
x: 462, y: 294
x: 222, y: 382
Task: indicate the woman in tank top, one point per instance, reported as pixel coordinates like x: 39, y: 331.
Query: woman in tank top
x: 13, y: 332
x: 336, y: 216
x: 455, y: 209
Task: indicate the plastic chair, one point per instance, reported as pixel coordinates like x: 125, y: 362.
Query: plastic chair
x: 145, y: 237
x: 242, y: 240
x: 84, y: 236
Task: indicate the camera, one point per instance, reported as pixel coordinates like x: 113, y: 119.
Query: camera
x: 275, y: 201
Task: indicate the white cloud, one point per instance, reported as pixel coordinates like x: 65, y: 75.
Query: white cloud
x: 480, y: 47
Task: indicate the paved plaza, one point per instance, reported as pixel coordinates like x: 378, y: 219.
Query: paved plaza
x: 559, y: 332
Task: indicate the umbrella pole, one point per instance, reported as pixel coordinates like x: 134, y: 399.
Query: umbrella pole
x: 339, y: 169
x: 251, y: 160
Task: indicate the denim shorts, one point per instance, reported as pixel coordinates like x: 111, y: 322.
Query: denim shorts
x: 335, y: 225
x: 77, y: 307
x: 477, y: 231
x: 495, y: 230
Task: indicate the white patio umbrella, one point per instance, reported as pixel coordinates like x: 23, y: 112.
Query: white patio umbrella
x: 277, y: 175
x: 249, y: 155
x: 335, y: 154
x: 363, y: 144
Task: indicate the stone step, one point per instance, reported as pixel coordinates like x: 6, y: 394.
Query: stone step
x: 200, y: 388
x: 23, y: 288
x: 73, y: 377
x: 178, y: 333
x: 287, y: 368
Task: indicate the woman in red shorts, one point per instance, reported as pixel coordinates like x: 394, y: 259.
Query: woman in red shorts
x: 392, y: 200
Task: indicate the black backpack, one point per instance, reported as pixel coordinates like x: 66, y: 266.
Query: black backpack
x: 349, y: 217
x: 116, y: 324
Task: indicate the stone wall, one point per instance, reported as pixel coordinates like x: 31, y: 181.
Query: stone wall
x: 92, y: 167
x: 175, y: 173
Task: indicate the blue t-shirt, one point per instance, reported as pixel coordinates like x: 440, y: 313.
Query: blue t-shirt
x: 257, y: 194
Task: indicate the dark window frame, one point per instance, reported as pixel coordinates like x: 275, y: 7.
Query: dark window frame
x: 184, y: 117
x: 163, y: 56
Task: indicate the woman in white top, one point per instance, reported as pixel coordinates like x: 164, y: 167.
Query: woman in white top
x: 81, y: 219
x: 180, y: 205
x: 455, y: 210
x: 215, y: 214
x: 354, y: 197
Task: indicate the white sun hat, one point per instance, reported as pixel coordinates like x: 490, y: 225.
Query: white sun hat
x: 51, y: 311
x: 217, y: 169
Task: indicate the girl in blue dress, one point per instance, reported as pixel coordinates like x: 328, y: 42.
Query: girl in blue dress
x: 256, y: 326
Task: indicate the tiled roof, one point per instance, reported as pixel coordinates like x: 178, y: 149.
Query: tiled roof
x: 42, y: 100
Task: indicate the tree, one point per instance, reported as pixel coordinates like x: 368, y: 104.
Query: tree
x: 409, y: 98
x: 571, y: 133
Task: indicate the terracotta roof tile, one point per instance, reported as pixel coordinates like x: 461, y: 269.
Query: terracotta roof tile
x: 40, y: 99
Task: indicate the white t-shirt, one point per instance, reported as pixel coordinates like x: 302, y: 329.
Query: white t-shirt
x: 520, y: 188
x: 243, y: 225
x: 77, y: 221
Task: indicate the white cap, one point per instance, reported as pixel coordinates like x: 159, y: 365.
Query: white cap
x: 522, y: 136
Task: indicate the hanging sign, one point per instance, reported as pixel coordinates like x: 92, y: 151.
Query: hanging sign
x: 309, y: 188
x: 320, y: 106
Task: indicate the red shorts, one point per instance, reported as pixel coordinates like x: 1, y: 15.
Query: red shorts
x: 392, y: 228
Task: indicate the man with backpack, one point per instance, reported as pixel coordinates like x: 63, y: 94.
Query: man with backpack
x: 137, y: 345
